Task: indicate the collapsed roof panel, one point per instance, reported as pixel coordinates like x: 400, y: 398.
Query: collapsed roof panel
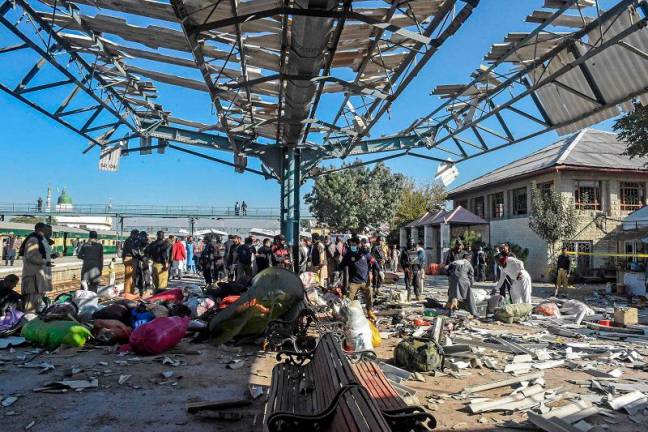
x: 549, y: 77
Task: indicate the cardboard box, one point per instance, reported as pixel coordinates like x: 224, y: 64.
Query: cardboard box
x: 626, y: 316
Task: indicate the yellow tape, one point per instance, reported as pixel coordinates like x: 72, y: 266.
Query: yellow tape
x: 638, y: 255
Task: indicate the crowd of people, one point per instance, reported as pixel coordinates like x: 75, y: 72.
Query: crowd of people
x: 356, y: 265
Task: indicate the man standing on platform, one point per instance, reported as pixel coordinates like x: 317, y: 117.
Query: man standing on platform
x: 318, y: 262
x: 178, y: 255
x: 359, y: 262
x: 160, y: 253
x: 92, y: 255
x: 36, y: 273
x: 130, y: 244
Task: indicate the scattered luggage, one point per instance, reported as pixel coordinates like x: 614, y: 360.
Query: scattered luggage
x: 159, y: 335
x: 55, y: 333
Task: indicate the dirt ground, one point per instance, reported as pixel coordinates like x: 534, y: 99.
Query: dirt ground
x: 147, y: 401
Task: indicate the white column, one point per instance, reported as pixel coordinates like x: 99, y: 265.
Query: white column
x: 415, y: 234
x: 403, y: 238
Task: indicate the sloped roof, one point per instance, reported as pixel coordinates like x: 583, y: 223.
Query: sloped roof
x: 417, y: 222
x: 428, y: 217
x: 589, y: 148
x: 636, y: 220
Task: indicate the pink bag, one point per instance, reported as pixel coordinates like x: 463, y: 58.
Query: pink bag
x: 159, y: 335
x: 173, y: 295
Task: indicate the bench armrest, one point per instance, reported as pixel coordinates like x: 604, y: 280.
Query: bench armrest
x: 294, y: 357
x: 409, y: 418
x: 358, y: 356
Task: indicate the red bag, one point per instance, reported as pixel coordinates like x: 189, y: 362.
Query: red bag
x: 111, y: 331
x: 159, y: 335
x: 227, y: 301
x: 174, y: 295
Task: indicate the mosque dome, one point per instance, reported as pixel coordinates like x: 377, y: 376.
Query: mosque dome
x: 64, y: 198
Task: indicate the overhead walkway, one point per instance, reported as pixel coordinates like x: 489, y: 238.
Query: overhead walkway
x: 127, y: 211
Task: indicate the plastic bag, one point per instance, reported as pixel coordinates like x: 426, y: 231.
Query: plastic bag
x: 575, y: 307
x: 54, y: 333
x: 115, y: 311
x: 159, y: 335
x: 547, y: 309
x: 358, y: 332
x: 141, y: 317
x: 309, y: 279
x: 376, y: 340
x: 111, y: 331
x: 108, y: 292
x: 10, y: 319
x: 61, y: 312
x: 513, y: 312
x: 174, y: 295
x: 199, y: 306
x: 83, y: 298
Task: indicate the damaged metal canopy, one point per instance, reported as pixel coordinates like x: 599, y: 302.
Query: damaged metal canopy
x: 265, y: 64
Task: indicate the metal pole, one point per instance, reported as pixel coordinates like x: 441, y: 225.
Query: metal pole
x: 290, y: 197
x: 192, y: 224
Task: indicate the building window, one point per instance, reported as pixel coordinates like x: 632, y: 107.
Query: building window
x: 497, y: 205
x: 631, y: 195
x: 519, y: 201
x: 587, y: 194
x: 478, y: 206
x: 545, y: 188
x: 462, y: 203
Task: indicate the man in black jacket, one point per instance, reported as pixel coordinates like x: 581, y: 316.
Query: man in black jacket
x: 563, y: 266
x: 359, y: 262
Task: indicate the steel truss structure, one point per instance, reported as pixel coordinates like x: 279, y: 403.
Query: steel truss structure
x: 268, y: 66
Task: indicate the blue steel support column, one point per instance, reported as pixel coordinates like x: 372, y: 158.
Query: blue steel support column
x: 290, y: 198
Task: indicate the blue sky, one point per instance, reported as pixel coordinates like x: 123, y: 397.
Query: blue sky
x: 35, y: 151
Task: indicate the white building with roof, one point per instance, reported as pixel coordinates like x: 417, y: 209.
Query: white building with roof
x: 590, y: 168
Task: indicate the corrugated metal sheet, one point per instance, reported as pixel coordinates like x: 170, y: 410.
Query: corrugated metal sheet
x: 616, y: 71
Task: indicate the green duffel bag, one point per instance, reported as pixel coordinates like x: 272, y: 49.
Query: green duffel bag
x: 418, y: 356
x: 54, y: 333
x: 513, y: 312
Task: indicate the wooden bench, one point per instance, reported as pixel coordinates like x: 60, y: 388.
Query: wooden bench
x: 319, y: 390
x: 399, y: 415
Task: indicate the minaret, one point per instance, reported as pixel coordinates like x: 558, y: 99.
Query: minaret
x: 48, y: 201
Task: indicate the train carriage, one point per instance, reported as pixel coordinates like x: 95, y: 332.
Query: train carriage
x: 66, y: 239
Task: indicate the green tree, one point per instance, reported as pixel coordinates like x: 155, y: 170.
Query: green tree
x: 32, y: 220
x: 553, y: 217
x: 416, y: 200
x: 633, y: 130
x: 356, y: 198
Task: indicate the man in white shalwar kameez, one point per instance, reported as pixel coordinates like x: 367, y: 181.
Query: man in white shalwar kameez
x: 521, y: 280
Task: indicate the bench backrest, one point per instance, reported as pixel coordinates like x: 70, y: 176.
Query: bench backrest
x: 330, y: 369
